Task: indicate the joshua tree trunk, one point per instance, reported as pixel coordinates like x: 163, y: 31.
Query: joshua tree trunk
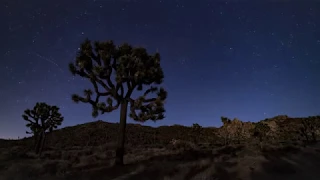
x: 122, y: 133
x: 43, y: 139
x: 38, y: 142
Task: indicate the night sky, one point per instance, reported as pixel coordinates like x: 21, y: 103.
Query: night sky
x: 246, y: 59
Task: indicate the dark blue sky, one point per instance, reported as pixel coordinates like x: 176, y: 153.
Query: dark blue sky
x: 245, y: 59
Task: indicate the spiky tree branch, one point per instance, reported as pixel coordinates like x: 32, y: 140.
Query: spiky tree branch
x: 132, y: 69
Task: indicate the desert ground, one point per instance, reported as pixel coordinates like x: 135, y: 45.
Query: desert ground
x: 86, y: 152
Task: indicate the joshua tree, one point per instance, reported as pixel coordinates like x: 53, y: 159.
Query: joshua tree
x: 40, y: 119
x: 115, y: 73
x: 260, y: 131
x: 196, y: 132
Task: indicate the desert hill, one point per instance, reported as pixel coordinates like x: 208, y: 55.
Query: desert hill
x: 86, y: 151
x: 100, y: 132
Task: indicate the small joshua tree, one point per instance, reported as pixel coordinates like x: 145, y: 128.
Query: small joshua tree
x: 196, y: 132
x: 260, y: 131
x: 40, y: 119
x: 115, y: 73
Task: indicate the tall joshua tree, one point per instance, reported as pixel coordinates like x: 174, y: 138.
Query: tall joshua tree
x: 40, y: 119
x: 115, y: 73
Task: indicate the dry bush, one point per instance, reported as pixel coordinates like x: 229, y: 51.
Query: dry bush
x: 177, y: 144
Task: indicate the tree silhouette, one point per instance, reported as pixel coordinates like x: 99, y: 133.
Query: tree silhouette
x: 115, y: 73
x: 40, y: 119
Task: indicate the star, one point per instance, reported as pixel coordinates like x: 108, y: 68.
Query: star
x: 219, y: 58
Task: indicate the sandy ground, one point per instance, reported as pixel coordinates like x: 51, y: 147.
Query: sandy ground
x: 234, y: 163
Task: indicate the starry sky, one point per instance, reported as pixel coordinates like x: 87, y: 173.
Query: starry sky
x: 246, y: 59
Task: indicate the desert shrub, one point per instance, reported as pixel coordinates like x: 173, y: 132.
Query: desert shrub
x: 181, y: 145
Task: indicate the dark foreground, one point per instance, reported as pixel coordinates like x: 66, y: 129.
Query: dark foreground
x: 220, y: 163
